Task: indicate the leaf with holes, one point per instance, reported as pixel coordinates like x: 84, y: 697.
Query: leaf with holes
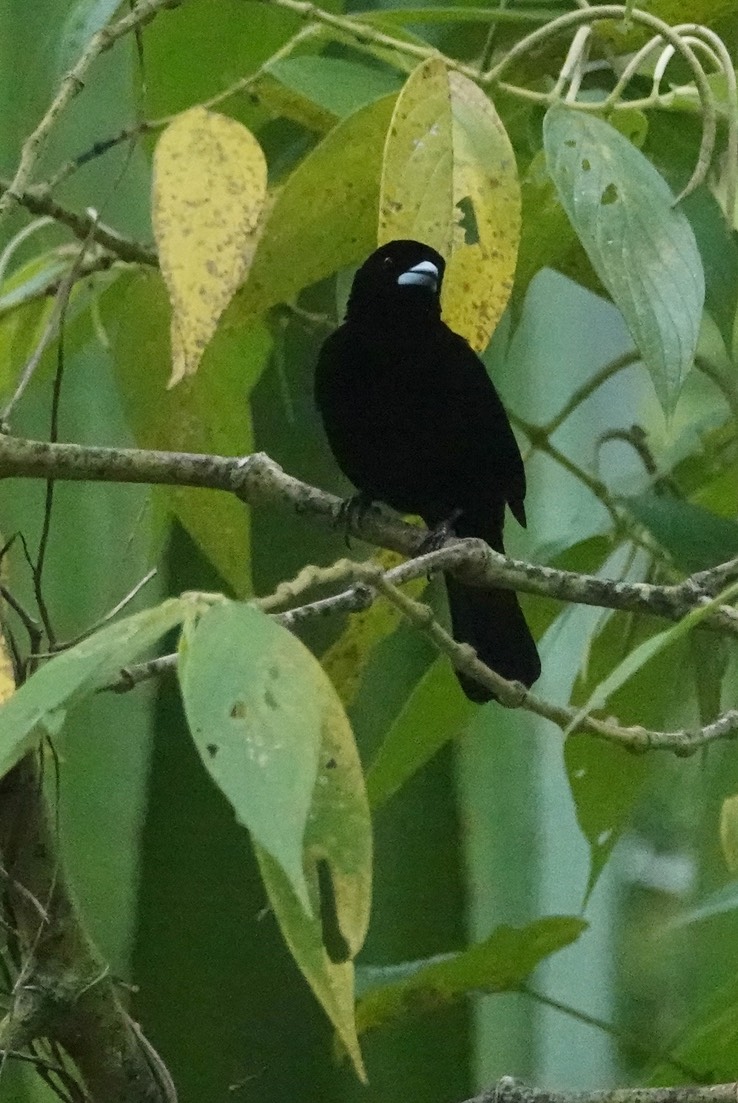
x: 449, y: 179
x: 338, y: 862
x: 640, y: 245
x: 253, y: 699
x: 487, y: 197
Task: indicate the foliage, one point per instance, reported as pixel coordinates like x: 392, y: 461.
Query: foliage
x: 272, y: 146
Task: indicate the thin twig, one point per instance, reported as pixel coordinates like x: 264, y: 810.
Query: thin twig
x: 53, y: 325
x: 682, y: 742
x: 110, y: 615
x: 71, y: 85
x: 582, y: 393
x: 607, y: 1028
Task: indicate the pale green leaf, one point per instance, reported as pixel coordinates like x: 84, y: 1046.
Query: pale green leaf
x: 253, y: 699
x: 39, y: 706
x: 84, y: 19
x: 338, y: 842
x: 640, y: 245
x: 695, y: 537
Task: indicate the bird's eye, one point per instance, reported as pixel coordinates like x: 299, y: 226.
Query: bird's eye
x: 388, y: 262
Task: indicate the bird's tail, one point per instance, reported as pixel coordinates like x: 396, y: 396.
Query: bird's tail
x: 493, y: 623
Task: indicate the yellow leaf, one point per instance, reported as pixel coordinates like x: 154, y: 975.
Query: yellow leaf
x: 416, y: 199
x: 480, y: 272
x: 7, y: 678
x: 209, y: 192
x: 7, y: 675
x: 450, y: 179
x: 729, y: 832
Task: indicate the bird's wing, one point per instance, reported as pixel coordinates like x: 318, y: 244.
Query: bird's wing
x: 481, y: 421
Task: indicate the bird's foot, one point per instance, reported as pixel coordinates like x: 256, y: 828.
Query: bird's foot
x: 352, y: 512
x: 436, y: 537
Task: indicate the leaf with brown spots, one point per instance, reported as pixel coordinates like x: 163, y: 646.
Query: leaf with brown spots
x: 417, y: 168
x: 274, y: 737
x: 480, y: 273
x: 209, y: 191
x: 252, y: 690
x: 338, y: 843
x: 449, y: 179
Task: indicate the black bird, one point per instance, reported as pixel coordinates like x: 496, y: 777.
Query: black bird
x: 414, y: 421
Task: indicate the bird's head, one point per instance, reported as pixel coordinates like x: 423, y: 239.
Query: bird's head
x: 399, y: 279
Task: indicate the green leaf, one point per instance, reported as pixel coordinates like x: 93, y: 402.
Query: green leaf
x: 20, y: 330
x: 335, y: 86
x: 499, y: 964
x: 455, y: 14
x: 605, y: 782
x: 338, y: 839
x: 694, y: 537
x: 719, y: 251
x: 39, y: 706
x: 729, y: 832
x: 32, y: 279
x: 325, y: 216
x: 693, y: 11
x: 346, y: 660
x: 208, y: 413
x: 641, y: 246
x: 253, y: 699
x: 435, y: 712
x: 586, y: 557
x: 639, y: 656
x: 231, y: 44
x: 709, y: 1042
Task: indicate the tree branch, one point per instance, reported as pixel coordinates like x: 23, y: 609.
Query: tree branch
x: 63, y: 991
x: 509, y: 1090
x: 86, y: 227
x: 256, y: 478
x: 72, y: 83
